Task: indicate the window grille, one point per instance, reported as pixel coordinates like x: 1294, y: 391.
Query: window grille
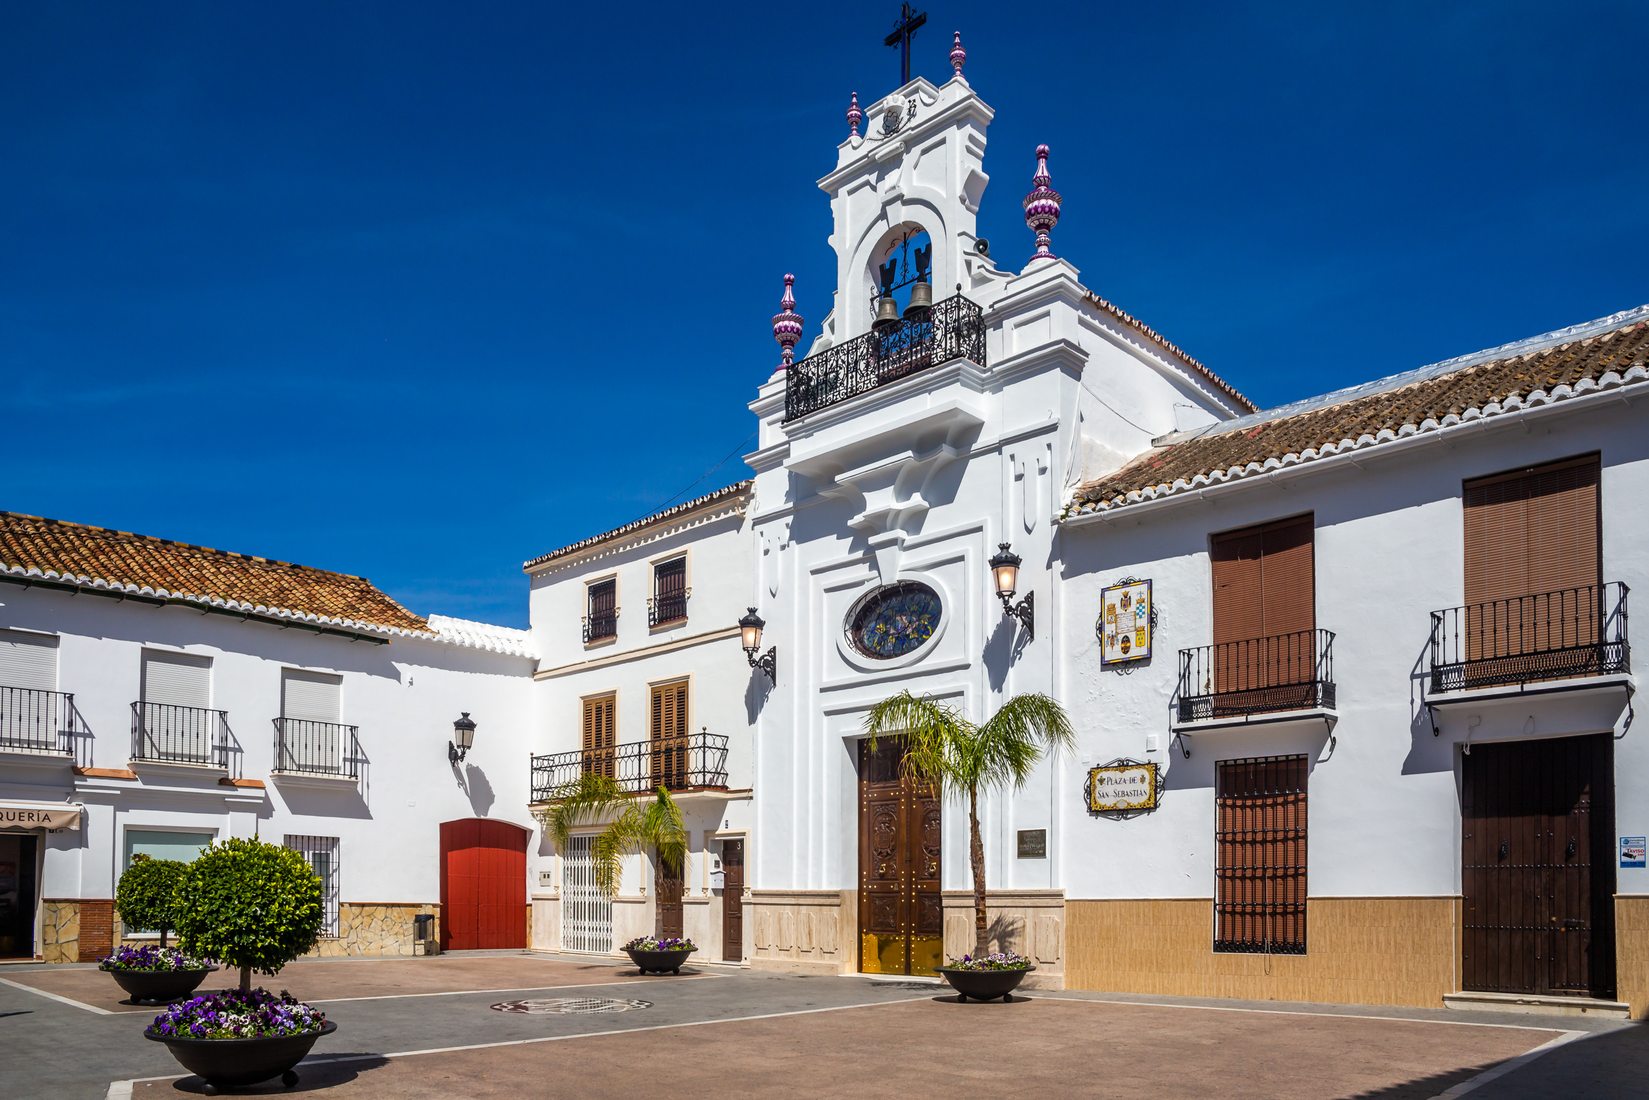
x: 321, y: 853
x: 601, y: 618
x: 670, y: 592
x: 1260, y: 834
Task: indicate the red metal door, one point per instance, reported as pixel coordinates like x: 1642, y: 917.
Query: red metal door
x: 483, y: 885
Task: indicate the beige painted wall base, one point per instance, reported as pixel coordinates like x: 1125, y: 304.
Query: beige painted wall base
x: 544, y: 923
x: 806, y: 931
x: 1632, y: 952
x: 1385, y: 951
x: 1030, y: 922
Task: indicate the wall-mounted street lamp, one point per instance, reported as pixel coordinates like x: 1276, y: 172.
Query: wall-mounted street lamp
x: 463, y: 736
x: 1005, y: 570
x: 750, y: 633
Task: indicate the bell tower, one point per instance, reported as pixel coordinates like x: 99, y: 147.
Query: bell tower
x: 904, y: 198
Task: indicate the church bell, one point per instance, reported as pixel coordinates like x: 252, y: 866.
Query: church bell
x: 887, y: 312
x: 921, y: 299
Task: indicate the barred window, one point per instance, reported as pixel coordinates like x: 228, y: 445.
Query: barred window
x: 1260, y: 898
x: 321, y: 853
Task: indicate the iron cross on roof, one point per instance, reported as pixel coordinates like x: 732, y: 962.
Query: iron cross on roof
x: 903, y: 31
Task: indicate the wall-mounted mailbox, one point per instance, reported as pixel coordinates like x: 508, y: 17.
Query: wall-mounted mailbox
x: 718, y: 879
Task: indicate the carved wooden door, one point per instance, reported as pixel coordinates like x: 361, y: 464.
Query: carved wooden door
x: 901, y: 924
x: 732, y: 901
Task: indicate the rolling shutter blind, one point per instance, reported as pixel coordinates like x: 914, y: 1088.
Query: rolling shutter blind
x: 1532, y: 531
x: 177, y: 679
x: 599, y: 736
x: 1533, y: 567
x: 312, y: 696
x: 1264, y: 587
x: 28, y: 660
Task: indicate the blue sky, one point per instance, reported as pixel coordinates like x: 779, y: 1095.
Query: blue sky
x: 419, y: 291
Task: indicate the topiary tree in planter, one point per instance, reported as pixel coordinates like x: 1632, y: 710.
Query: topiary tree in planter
x: 146, y: 894
x: 249, y: 905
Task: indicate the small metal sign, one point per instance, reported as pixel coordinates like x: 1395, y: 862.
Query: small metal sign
x: 1123, y: 786
x: 1033, y: 844
x: 1632, y: 851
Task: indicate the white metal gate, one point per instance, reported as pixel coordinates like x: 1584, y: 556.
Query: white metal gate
x: 586, y: 913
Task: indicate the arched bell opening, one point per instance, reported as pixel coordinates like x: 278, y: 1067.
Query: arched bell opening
x: 899, y: 277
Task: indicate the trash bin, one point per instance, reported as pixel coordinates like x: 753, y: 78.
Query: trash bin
x: 423, y: 935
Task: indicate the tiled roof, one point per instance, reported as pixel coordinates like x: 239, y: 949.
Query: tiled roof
x: 1152, y: 334
x: 1608, y: 353
x: 738, y: 488
x: 119, y: 561
x: 498, y: 639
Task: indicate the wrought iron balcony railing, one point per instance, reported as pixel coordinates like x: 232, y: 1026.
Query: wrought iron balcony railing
x: 306, y: 747
x: 1528, y: 639
x: 693, y: 762
x: 35, y: 721
x: 173, y: 734
x: 952, y: 329
x: 667, y: 608
x: 1257, y: 676
x: 598, y: 628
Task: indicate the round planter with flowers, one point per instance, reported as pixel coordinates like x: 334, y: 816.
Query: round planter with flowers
x: 987, y: 977
x: 251, y: 906
x: 238, y: 1037
x: 654, y: 955
x: 153, y: 975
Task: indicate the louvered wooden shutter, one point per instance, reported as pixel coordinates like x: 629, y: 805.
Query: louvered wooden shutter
x: 598, y: 736
x: 1237, y: 592
x: 670, y: 734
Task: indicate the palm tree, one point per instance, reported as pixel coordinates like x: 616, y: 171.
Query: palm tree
x: 634, y: 825
x: 954, y: 755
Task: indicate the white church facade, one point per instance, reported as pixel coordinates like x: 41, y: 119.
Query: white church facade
x: 1351, y: 678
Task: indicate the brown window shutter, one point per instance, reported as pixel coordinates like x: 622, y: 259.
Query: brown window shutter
x: 1264, y: 588
x: 670, y: 734
x: 670, y: 578
x: 599, y: 741
x: 1532, y: 555
x: 1237, y: 602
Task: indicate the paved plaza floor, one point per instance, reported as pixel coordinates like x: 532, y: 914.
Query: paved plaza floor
x: 496, y: 1025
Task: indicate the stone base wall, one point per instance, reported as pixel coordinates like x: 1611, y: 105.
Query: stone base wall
x: 1030, y: 922
x: 1377, y: 951
x: 60, y: 930
x: 811, y: 931
x: 376, y: 929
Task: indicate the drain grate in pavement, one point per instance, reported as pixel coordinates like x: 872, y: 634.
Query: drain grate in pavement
x: 571, y: 1006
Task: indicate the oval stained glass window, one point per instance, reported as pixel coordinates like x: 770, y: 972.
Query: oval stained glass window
x: 894, y: 620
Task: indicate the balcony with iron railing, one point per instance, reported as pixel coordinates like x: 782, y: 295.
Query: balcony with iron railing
x: 41, y: 723
x: 600, y: 627
x: 951, y: 329
x: 1570, y: 634
x: 696, y: 761
x: 668, y: 607
x: 316, y: 749
x: 1257, y: 678
x: 164, y: 733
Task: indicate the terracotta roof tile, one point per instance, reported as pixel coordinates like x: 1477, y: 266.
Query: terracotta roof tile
x: 738, y: 488
x: 96, y: 557
x: 1613, y: 352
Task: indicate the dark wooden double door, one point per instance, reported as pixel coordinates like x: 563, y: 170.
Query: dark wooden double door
x: 901, y: 919
x: 1538, y: 862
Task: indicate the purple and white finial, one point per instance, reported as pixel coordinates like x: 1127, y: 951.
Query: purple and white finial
x: 957, y: 54
x: 1042, y: 206
x: 854, y: 117
x: 787, y: 323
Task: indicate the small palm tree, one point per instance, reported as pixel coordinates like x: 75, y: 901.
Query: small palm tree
x: 634, y: 825
x: 954, y: 755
